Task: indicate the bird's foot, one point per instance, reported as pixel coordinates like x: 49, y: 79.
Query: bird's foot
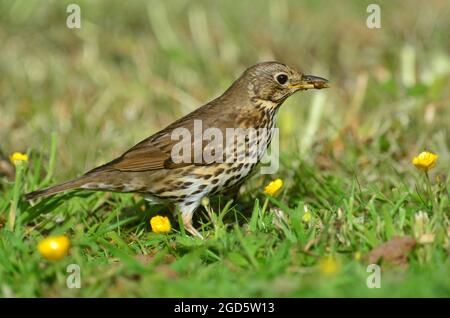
x: 193, y: 231
x: 187, y: 214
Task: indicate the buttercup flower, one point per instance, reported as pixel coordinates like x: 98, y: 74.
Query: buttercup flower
x: 273, y: 187
x: 18, y: 156
x: 160, y: 224
x: 357, y: 256
x: 54, y: 248
x: 329, y: 265
x: 425, y: 160
x: 205, y: 201
x: 307, y: 216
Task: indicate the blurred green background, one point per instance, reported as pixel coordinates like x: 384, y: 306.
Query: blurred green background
x: 134, y: 67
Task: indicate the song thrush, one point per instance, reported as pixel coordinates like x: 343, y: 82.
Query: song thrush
x: 149, y: 168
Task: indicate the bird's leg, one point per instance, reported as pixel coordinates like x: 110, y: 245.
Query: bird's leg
x: 186, y: 213
x: 187, y: 222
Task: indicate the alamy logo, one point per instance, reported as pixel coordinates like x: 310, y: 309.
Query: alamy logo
x: 73, y: 20
x: 374, y: 279
x: 74, y: 278
x: 231, y: 145
x: 374, y: 19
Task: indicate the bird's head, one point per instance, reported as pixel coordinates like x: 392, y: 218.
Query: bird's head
x: 274, y: 82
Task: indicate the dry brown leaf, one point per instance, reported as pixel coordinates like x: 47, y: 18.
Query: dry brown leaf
x: 6, y: 169
x: 393, y: 252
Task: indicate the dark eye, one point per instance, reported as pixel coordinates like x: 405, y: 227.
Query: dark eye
x: 282, y: 79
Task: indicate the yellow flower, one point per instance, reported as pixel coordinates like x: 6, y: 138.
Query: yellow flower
x: 18, y: 156
x: 273, y: 187
x: 160, y: 224
x: 425, y: 160
x: 329, y: 265
x: 307, y: 216
x: 54, y: 248
x: 205, y: 201
x: 357, y: 256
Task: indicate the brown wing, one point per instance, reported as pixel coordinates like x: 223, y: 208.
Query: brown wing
x: 155, y: 152
x: 149, y: 156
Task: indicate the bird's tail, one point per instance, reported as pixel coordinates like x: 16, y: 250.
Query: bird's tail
x: 69, y: 185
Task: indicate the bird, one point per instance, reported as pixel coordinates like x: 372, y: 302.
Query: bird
x: 182, y: 171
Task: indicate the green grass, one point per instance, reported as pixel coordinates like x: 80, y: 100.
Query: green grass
x: 73, y: 99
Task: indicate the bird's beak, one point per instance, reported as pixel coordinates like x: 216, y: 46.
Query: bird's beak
x: 311, y: 81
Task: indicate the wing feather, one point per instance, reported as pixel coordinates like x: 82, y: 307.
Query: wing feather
x: 154, y: 152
